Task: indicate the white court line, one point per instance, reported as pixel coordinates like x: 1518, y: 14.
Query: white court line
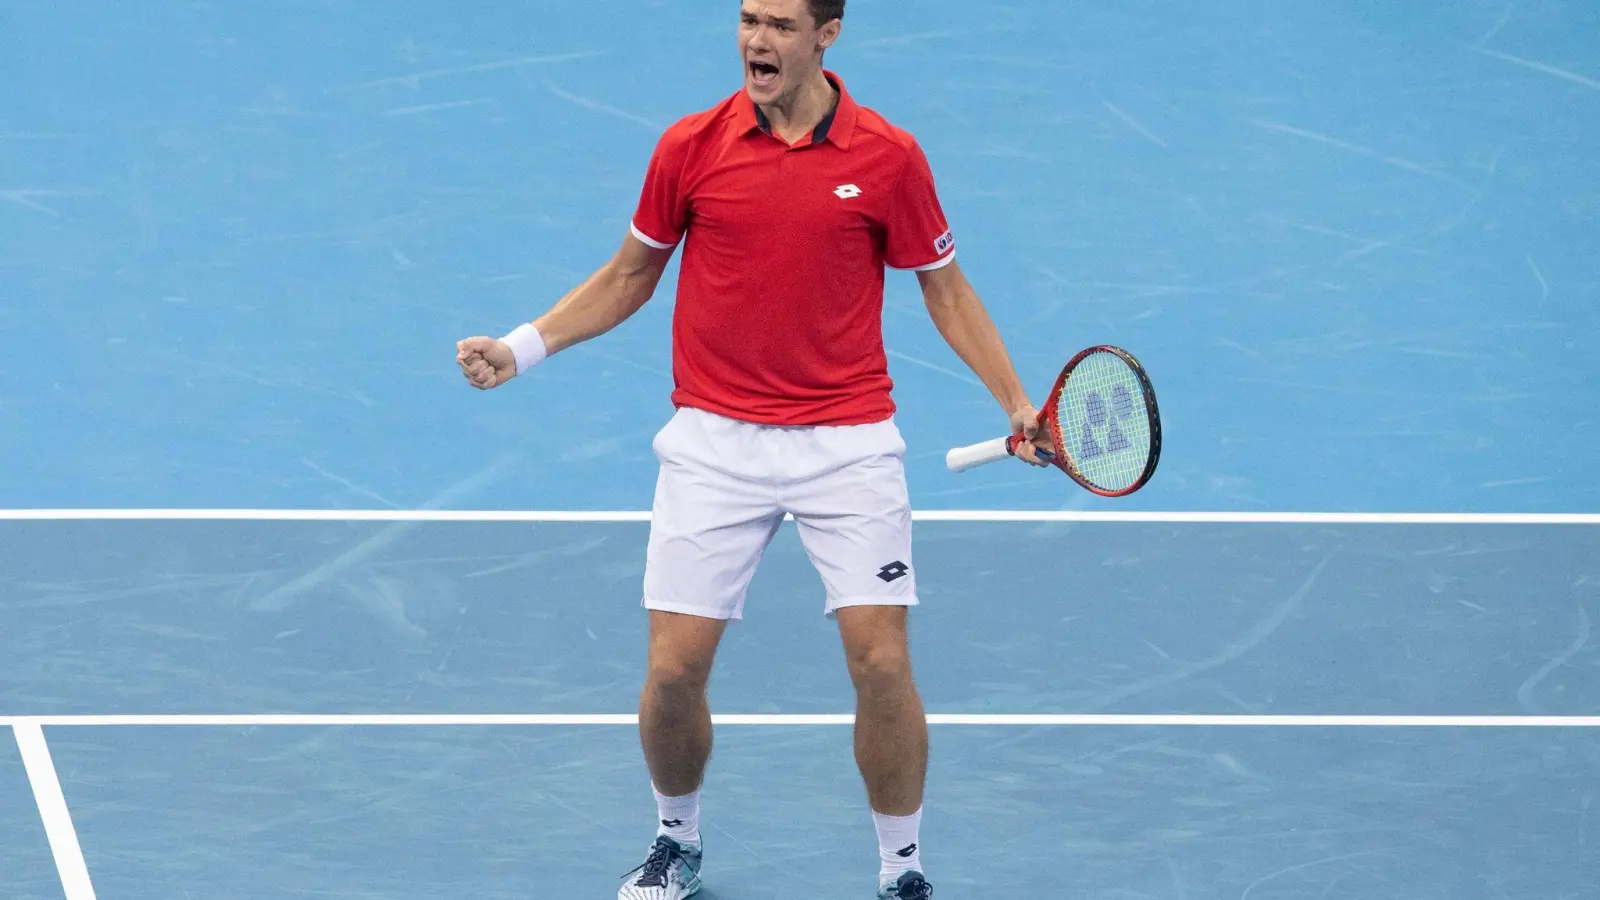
x: 926, y: 515
x: 53, y: 810
x: 770, y: 719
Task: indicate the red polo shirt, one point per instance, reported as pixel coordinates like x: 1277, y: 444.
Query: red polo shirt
x: 779, y: 315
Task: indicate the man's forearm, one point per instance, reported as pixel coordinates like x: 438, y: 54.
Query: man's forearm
x: 602, y: 302
x: 967, y: 328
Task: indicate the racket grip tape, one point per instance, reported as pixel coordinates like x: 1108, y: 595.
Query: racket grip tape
x: 961, y: 459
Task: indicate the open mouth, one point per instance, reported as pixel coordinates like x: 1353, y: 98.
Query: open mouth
x: 763, y: 73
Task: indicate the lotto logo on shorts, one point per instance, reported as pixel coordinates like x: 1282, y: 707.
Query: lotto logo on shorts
x: 893, y: 571
x: 944, y: 244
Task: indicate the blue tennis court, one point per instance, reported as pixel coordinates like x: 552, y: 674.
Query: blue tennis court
x: 482, y: 619
x: 1354, y: 247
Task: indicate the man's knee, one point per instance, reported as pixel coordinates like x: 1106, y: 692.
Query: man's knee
x: 682, y: 649
x: 880, y: 666
x: 678, y: 676
x: 876, y: 648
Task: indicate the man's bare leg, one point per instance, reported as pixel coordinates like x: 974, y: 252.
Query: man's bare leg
x: 675, y: 717
x: 891, y: 732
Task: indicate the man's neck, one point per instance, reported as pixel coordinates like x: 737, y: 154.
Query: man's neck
x: 805, y: 109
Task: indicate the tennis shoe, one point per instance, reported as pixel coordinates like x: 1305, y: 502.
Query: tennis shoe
x: 670, y: 872
x: 910, y: 886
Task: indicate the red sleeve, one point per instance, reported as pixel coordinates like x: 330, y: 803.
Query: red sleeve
x: 918, y: 235
x: 663, y: 212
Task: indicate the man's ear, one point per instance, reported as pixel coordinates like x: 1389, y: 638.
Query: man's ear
x: 830, y: 34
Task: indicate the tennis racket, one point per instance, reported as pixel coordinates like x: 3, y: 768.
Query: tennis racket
x: 1100, y: 423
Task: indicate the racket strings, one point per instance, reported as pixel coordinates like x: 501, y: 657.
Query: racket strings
x: 1104, y: 422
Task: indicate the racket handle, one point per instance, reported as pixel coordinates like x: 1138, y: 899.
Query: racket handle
x: 963, y: 458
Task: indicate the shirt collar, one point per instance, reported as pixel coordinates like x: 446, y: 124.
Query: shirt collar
x: 838, y: 126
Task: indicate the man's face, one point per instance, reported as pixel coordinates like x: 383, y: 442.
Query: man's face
x: 782, y: 47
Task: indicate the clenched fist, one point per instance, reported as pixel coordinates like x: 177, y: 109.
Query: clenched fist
x: 486, y: 362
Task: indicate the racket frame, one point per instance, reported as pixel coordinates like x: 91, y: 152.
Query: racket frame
x: 1050, y: 418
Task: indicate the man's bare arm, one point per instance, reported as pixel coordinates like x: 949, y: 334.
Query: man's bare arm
x: 961, y: 318
x: 603, y: 301
x: 607, y: 298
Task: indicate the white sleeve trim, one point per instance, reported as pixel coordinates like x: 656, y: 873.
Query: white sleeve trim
x: 938, y: 263
x: 647, y: 239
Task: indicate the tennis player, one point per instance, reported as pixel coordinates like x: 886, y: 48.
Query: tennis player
x: 789, y: 200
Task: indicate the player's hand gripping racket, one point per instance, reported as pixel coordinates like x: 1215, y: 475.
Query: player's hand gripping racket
x: 1099, y: 425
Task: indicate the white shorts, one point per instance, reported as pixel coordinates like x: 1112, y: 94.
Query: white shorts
x: 725, y: 486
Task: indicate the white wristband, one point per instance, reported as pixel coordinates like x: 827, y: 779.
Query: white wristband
x: 527, y: 345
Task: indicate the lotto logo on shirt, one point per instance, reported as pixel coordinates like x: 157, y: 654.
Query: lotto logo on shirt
x: 944, y: 244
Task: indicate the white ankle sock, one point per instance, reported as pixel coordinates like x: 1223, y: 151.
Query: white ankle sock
x: 679, y: 816
x: 897, y: 845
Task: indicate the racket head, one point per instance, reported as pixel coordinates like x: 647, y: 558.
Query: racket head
x: 1102, y: 422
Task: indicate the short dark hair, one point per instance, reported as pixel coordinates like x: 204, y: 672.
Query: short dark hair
x: 825, y: 11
